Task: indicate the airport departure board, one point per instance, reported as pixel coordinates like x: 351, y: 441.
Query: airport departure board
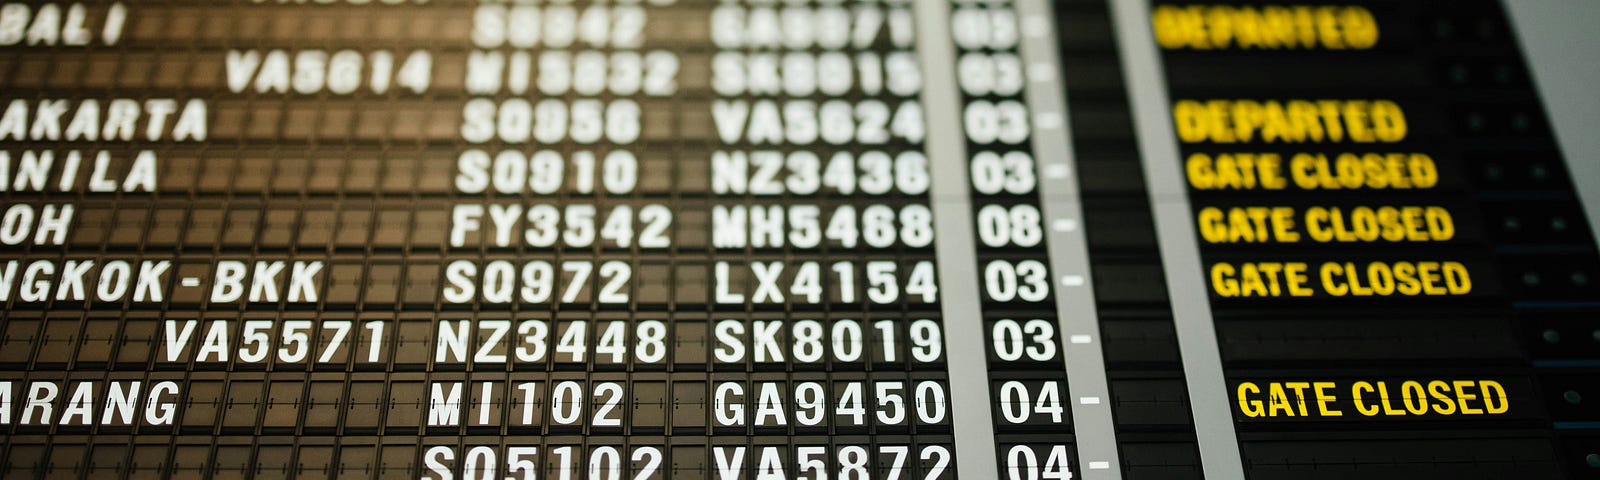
x: 787, y: 239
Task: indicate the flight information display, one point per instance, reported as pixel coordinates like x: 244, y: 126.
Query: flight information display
x: 787, y: 239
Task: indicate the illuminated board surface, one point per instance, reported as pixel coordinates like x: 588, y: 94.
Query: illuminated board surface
x: 771, y: 239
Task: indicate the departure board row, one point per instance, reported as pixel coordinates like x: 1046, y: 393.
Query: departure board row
x: 787, y: 239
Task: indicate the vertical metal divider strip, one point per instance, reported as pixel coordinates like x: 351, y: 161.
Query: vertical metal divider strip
x: 1094, y: 430
x: 1180, y: 250
x: 954, y: 247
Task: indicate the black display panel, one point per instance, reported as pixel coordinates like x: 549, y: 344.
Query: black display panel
x: 1381, y: 214
x: 764, y: 239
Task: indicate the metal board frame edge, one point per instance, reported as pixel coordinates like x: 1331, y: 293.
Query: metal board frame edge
x: 1549, y: 31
